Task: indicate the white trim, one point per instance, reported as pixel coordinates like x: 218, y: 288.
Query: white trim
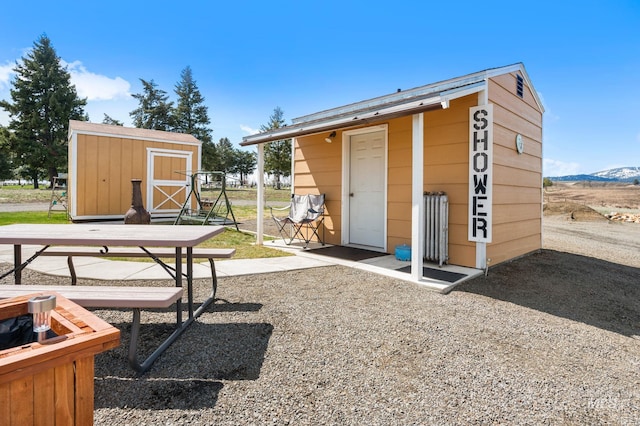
x: 181, y: 184
x: 293, y: 165
x: 405, y: 102
x: 362, y: 118
x: 260, y: 197
x: 481, y: 247
x: 417, y: 197
x: 148, y: 139
x: 346, y: 175
x: 73, y: 197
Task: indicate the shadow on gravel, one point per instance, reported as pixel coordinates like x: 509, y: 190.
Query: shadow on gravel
x: 592, y: 291
x: 222, y: 305
x: 156, y: 394
x: 188, y: 374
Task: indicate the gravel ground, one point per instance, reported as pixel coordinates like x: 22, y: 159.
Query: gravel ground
x: 551, y: 338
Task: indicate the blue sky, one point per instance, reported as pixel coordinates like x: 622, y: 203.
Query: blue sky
x: 249, y: 57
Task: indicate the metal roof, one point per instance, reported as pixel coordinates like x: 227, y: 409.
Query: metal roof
x: 412, y: 101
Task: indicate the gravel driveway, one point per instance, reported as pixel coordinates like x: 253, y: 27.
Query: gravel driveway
x: 551, y: 338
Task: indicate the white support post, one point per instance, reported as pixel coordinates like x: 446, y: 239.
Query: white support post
x: 417, y: 197
x: 260, y: 203
x: 481, y: 247
x: 293, y: 162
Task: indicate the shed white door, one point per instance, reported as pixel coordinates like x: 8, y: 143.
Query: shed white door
x: 367, y: 180
x: 168, y: 179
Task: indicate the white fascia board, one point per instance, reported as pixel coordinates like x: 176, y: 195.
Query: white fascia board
x: 304, y: 129
x: 195, y: 142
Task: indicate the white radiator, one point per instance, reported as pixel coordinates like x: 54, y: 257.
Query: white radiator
x: 436, y: 243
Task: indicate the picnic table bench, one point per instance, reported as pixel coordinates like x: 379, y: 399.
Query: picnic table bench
x: 156, y: 253
x: 114, y: 297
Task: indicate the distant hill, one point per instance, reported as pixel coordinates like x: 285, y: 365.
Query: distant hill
x: 620, y: 174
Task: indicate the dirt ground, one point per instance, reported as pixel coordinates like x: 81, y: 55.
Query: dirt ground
x: 574, y: 221
x: 598, y: 195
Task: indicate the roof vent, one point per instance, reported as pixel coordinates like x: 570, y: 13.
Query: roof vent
x: 519, y: 85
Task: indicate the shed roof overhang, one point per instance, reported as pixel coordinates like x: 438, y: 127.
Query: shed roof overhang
x: 401, y: 103
x: 367, y: 112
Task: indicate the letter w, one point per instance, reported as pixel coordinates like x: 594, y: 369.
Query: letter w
x: 480, y: 185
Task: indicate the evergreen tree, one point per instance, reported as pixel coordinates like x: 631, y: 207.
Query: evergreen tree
x: 245, y: 164
x: 6, y: 156
x: 44, y: 100
x: 277, y: 154
x: 154, y: 111
x: 209, y: 156
x: 190, y: 115
x: 112, y: 121
x: 226, y: 156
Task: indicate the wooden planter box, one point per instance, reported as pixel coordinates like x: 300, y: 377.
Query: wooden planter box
x: 52, y: 382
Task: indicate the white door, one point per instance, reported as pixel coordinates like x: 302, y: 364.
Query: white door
x: 168, y: 179
x: 367, y: 181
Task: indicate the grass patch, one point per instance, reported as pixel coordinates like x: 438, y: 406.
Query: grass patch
x: 20, y: 194
x: 10, y: 218
x: 243, y: 242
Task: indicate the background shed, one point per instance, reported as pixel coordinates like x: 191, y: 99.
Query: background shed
x: 103, y: 159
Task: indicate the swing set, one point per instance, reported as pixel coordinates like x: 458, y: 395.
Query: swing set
x: 216, y: 212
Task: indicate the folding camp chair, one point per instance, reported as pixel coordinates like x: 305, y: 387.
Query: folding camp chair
x: 306, y: 215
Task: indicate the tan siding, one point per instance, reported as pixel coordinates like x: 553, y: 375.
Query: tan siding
x: 516, y: 212
x: 530, y: 159
x: 513, y: 248
x: 88, y: 184
x: 106, y: 165
x: 465, y: 255
x: 507, y: 82
x: 513, y: 104
x: 127, y: 171
x: 510, y: 124
x: 399, y: 182
x: 446, y: 169
x: 115, y: 175
x: 517, y: 178
x: 104, y: 178
x: 318, y: 170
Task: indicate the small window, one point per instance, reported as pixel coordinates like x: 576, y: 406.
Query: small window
x: 519, y: 86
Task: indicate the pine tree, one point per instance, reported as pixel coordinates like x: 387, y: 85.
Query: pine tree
x: 154, y: 111
x: 44, y: 100
x: 245, y: 164
x: 226, y: 156
x: 112, y: 121
x: 6, y: 156
x: 190, y: 115
x: 277, y: 154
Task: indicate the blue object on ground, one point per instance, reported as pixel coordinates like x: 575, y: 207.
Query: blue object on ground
x: 403, y: 252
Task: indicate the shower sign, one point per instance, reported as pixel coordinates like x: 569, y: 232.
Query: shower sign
x: 480, y: 172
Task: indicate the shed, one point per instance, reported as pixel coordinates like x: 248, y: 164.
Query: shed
x: 477, y: 138
x: 103, y: 159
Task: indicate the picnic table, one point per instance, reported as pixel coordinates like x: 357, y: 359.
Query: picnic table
x: 146, y: 237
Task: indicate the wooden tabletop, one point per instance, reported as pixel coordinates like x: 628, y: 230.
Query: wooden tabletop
x: 108, y: 234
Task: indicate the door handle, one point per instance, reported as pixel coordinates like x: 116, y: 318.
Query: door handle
x: 351, y: 194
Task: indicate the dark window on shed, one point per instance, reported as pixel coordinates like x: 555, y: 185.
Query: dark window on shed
x: 519, y: 86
